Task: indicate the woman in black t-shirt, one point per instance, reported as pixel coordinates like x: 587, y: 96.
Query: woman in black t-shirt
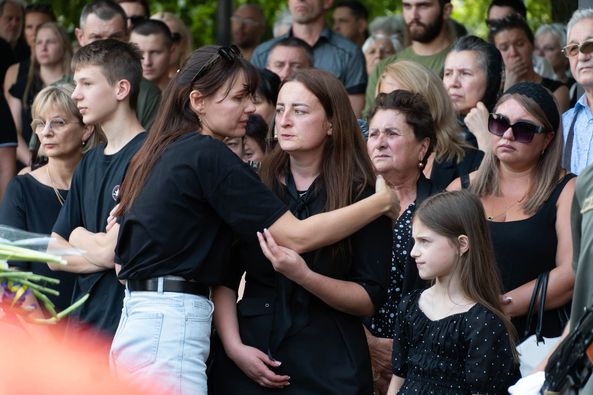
x: 183, y: 191
x: 312, y: 322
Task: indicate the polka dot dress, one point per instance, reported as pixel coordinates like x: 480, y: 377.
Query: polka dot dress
x: 465, y: 353
x: 382, y: 323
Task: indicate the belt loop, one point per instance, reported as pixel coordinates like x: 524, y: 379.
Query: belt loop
x: 161, y: 281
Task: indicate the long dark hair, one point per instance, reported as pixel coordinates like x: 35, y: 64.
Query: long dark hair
x: 452, y: 214
x: 207, y: 70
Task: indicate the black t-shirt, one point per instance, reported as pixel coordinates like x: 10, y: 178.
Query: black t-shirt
x: 7, y: 130
x: 180, y: 222
x: 33, y: 206
x: 93, y: 194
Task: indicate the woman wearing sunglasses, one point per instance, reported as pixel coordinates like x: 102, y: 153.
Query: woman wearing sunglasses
x: 527, y: 198
x: 184, y: 194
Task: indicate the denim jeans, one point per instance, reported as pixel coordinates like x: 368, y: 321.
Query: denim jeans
x: 163, y: 341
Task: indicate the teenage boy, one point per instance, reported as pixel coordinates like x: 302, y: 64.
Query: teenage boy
x: 154, y: 40
x: 107, y: 75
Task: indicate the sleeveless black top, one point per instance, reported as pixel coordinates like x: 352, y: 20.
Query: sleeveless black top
x: 526, y: 248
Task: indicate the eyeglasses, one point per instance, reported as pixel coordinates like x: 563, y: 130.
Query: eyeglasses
x: 523, y: 131
x: 56, y: 124
x: 228, y: 54
x: 247, y: 21
x: 572, y: 50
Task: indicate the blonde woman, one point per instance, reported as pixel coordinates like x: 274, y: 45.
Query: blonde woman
x: 452, y: 157
x: 527, y: 198
x: 51, y: 63
x: 32, y: 201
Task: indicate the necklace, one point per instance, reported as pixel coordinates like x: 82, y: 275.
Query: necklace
x: 51, y: 181
x: 503, y: 215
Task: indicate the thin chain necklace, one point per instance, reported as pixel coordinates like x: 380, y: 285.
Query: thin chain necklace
x: 503, y: 214
x: 51, y: 181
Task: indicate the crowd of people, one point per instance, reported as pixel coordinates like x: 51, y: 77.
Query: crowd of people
x: 355, y: 207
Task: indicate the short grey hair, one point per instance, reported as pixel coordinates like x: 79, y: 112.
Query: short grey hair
x: 558, y: 30
x: 579, y: 15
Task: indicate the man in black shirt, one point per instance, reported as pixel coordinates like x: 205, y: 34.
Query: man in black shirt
x: 95, y: 184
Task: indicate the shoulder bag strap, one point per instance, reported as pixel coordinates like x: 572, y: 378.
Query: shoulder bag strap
x: 532, y: 302
x: 543, y: 279
x: 566, y: 158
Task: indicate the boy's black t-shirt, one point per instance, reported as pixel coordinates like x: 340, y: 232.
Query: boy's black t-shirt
x: 181, y: 221
x: 93, y: 194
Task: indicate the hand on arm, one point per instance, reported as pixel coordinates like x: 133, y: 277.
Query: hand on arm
x: 346, y: 296
x: 253, y: 362
x: 327, y: 228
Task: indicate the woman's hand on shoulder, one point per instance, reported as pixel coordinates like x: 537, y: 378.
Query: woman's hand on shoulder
x: 383, y: 189
x: 256, y: 365
x: 285, y: 261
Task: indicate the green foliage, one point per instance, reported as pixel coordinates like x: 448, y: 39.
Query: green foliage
x: 200, y: 15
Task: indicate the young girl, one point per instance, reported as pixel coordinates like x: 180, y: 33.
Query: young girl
x: 453, y: 338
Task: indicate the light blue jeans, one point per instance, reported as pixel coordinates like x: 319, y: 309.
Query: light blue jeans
x: 163, y: 340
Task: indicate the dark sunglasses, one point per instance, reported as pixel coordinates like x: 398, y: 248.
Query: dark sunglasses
x: 523, y: 131
x: 228, y: 54
x: 572, y: 50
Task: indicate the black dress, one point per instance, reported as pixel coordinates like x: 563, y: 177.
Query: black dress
x: 32, y: 206
x: 526, y: 248
x: 324, y: 351
x: 462, y: 354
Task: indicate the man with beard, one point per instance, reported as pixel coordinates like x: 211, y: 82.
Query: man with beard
x: 247, y: 28
x: 331, y: 51
x: 428, y: 28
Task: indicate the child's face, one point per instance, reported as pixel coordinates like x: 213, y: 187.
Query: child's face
x: 94, y: 96
x: 225, y: 115
x: 435, y: 255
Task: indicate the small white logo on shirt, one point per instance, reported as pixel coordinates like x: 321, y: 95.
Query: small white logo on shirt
x: 115, y: 193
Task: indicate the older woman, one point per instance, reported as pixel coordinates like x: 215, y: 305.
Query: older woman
x: 549, y: 41
x: 452, y: 156
x: 473, y: 75
x: 306, y: 315
x: 514, y: 39
x: 32, y: 201
x: 401, y: 137
x: 527, y: 198
x: 375, y: 48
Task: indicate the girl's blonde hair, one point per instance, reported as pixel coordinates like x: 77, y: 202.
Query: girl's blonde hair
x: 419, y: 79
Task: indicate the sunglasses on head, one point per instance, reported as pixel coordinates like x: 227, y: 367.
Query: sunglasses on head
x: 573, y: 49
x: 228, y: 54
x: 523, y: 131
